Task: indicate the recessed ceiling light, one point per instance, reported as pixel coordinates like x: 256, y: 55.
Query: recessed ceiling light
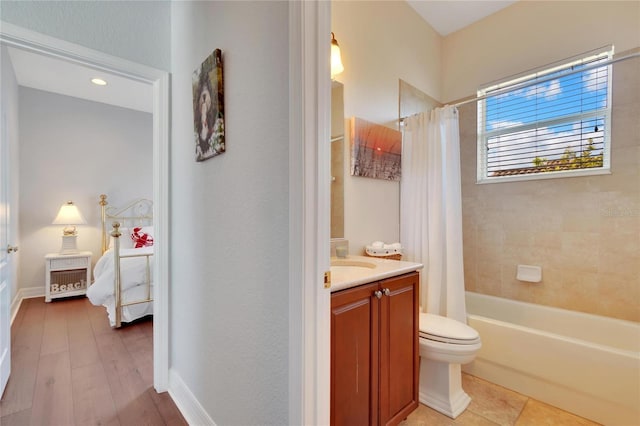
x: 98, y: 81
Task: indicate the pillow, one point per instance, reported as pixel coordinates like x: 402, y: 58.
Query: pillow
x: 148, y: 230
x: 125, y: 243
x: 141, y: 238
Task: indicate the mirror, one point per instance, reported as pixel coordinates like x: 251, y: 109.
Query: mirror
x: 337, y: 160
x: 413, y: 100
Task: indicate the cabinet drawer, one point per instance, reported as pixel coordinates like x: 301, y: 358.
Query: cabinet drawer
x: 72, y: 262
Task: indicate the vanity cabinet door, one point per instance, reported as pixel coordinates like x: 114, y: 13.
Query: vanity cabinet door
x: 374, y: 352
x: 354, y: 356
x: 399, y: 351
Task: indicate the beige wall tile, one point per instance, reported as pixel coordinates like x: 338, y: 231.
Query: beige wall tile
x: 577, y: 291
x: 625, y: 125
x: 584, y: 232
x: 488, y: 285
x: 619, y: 293
x: 547, y: 239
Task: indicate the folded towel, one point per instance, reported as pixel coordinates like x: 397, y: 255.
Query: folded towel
x: 377, y: 244
x: 396, y: 246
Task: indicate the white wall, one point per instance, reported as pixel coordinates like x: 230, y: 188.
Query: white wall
x: 229, y: 272
x: 381, y: 42
x: 10, y: 119
x: 73, y: 149
x: 229, y: 224
x: 134, y: 30
x: 531, y: 34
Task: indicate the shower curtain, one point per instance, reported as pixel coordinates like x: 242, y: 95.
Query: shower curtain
x: 431, y: 209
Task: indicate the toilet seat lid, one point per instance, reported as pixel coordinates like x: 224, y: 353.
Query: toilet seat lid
x: 445, y: 329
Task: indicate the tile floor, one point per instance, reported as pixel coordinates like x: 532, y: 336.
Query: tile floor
x: 494, y: 405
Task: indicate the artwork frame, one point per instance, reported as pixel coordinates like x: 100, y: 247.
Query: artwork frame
x: 376, y: 150
x: 208, y: 107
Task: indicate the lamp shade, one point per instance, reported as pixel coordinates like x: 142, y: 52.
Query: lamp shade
x: 69, y: 215
x: 336, y: 58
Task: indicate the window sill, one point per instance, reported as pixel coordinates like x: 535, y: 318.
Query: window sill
x: 547, y: 175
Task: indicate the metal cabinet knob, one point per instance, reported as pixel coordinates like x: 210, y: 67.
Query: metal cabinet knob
x: 380, y: 293
x: 11, y: 249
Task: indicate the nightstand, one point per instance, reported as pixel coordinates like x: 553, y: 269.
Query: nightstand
x: 67, y: 274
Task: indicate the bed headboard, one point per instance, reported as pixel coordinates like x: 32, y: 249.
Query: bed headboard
x: 137, y: 213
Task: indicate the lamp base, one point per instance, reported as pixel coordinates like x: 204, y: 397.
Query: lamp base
x: 69, y: 245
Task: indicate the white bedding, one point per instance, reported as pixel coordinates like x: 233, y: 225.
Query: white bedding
x: 133, y: 312
x: 133, y: 278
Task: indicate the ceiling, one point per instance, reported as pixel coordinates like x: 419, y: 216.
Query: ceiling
x: 448, y: 16
x: 66, y: 78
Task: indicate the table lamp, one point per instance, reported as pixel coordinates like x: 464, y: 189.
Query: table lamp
x: 69, y: 215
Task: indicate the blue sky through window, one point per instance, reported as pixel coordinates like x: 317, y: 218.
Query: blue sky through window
x: 545, y: 119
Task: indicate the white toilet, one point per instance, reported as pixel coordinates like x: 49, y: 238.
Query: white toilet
x: 445, y: 344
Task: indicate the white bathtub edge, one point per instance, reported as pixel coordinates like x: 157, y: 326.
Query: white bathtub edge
x: 584, y: 405
x: 582, y: 363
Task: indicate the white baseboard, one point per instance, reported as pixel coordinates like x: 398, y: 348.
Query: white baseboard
x: 186, y: 402
x: 24, y: 293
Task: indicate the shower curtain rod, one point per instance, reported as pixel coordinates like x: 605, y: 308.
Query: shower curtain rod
x: 522, y: 85
x: 544, y: 80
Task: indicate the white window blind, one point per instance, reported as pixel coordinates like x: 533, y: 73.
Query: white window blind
x: 553, y: 122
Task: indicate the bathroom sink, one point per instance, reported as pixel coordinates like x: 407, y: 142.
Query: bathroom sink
x: 352, y: 263
x: 351, y: 270
x: 355, y: 270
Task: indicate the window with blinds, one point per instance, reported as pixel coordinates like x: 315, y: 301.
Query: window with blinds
x: 553, y: 122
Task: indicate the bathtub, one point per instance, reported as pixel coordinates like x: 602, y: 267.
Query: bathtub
x: 585, y: 364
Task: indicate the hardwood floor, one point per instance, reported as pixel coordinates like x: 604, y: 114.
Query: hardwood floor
x: 69, y: 367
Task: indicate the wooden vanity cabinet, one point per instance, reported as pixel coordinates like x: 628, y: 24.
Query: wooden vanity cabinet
x: 374, y: 352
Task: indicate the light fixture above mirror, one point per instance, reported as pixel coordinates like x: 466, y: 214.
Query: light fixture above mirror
x: 336, y: 59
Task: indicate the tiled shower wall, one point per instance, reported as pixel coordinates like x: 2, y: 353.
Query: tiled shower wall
x: 584, y: 231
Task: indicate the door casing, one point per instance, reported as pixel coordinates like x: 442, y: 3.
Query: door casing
x: 21, y: 38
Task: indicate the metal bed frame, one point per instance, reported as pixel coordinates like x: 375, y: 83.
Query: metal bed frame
x: 138, y: 213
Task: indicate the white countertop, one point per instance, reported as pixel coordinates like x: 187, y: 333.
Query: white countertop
x: 343, y: 277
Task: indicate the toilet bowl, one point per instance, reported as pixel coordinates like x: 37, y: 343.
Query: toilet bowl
x: 445, y: 344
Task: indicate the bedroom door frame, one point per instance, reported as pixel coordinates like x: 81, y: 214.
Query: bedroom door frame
x: 15, y: 36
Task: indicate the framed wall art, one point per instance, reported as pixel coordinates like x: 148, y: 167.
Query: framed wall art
x: 208, y: 107
x: 375, y: 150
